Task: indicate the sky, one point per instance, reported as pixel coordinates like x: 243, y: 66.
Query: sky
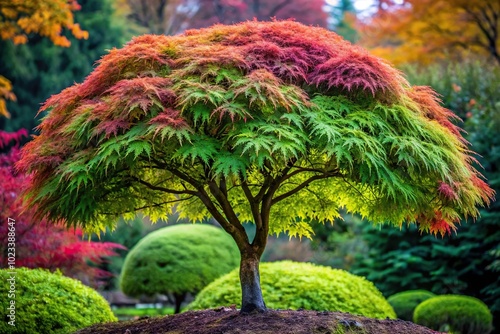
x: 362, y: 5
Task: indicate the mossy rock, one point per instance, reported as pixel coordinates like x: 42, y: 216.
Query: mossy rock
x: 294, y: 285
x: 454, y: 313
x: 178, y: 259
x: 404, y: 303
x: 49, y: 303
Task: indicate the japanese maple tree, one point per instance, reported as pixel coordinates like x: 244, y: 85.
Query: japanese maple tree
x: 273, y: 123
x: 39, y: 244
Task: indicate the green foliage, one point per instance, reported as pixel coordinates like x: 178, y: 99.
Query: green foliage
x: 131, y: 313
x: 404, y: 303
x: 470, y: 86
x: 399, y: 260
x: 457, y: 314
x: 178, y: 259
x: 294, y: 285
x: 50, y: 303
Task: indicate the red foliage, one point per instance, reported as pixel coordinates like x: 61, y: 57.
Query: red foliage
x: 441, y: 226
x: 487, y: 193
x: 39, y: 244
x: 447, y: 191
x: 437, y: 223
x: 430, y: 104
x: 357, y: 70
x: 6, y: 138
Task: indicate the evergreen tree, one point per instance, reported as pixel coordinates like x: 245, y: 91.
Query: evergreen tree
x: 342, y: 18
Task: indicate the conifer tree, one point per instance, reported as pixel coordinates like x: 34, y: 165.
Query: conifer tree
x: 273, y: 123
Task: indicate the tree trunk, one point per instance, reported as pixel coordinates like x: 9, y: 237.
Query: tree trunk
x: 178, y: 299
x: 251, y: 293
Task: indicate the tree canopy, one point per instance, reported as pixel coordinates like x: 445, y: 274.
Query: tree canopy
x: 233, y: 120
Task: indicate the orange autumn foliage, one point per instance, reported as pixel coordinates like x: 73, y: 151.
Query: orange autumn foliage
x: 425, y: 31
x: 5, y: 94
x: 47, y: 18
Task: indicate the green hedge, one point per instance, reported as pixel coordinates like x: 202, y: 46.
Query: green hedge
x: 457, y: 314
x: 404, y: 303
x: 49, y: 303
x: 293, y: 285
x: 178, y: 259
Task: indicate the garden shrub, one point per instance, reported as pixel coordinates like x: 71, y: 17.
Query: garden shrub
x: 404, y: 303
x: 49, y: 303
x: 454, y: 313
x: 178, y: 259
x: 294, y: 285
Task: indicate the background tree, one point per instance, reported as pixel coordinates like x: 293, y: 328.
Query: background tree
x: 39, y: 68
x: 426, y: 30
x: 171, y: 17
x: 274, y: 123
x: 46, y: 18
x: 40, y: 245
x: 176, y: 261
x: 42, y: 17
x: 167, y: 17
x: 5, y: 94
x: 343, y: 19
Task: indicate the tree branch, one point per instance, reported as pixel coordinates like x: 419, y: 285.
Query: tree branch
x: 254, y: 204
x: 303, y: 185
x: 163, y: 189
x: 236, y: 231
x: 151, y: 206
x: 224, y: 203
x: 278, y: 7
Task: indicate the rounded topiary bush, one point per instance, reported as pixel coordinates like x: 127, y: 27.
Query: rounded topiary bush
x: 48, y: 303
x: 294, y: 285
x: 404, y: 303
x: 177, y: 260
x: 457, y: 314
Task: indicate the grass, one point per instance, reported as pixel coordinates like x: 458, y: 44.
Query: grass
x: 127, y: 313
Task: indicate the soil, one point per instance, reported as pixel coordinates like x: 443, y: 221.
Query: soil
x: 230, y: 321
